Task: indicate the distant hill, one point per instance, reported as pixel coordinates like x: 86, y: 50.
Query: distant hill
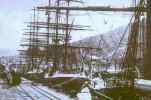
x: 107, y: 41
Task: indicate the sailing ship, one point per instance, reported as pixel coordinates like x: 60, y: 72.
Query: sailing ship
x: 49, y: 56
x: 48, y: 45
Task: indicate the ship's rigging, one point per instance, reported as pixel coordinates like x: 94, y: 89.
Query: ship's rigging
x: 48, y: 48
x: 54, y: 42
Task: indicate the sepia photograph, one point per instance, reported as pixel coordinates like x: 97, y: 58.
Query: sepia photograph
x: 75, y: 49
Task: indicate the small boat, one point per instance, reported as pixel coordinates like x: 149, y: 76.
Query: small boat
x: 68, y: 83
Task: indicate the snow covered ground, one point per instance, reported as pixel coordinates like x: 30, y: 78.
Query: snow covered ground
x: 84, y: 94
x: 98, y: 83
x: 68, y: 75
x: 9, y: 94
x: 29, y: 91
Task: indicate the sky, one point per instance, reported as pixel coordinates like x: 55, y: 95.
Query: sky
x: 14, y: 14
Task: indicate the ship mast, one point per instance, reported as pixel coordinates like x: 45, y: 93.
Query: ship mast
x: 139, y: 44
x: 59, y: 27
x: 147, y: 56
x: 51, y: 33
